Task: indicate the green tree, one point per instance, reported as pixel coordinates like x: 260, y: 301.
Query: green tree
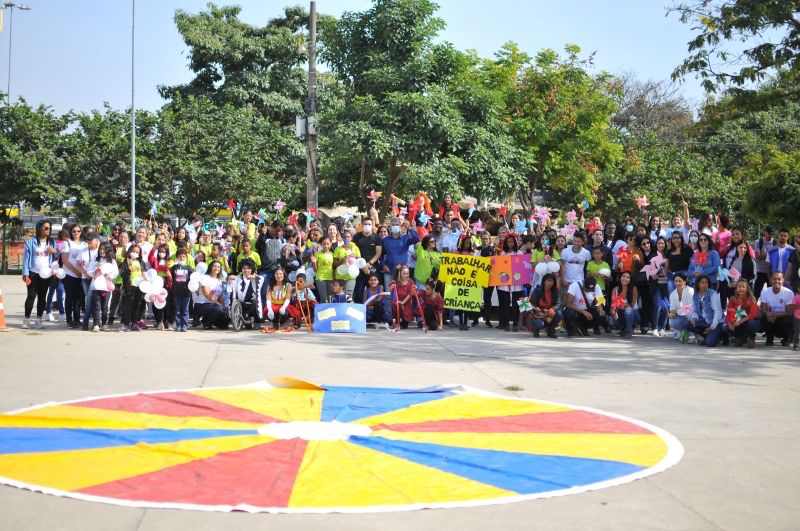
x: 559, y: 116
x: 405, y: 120
x: 768, y: 29
x: 208, y: 153
x: 97, y: 164
x: 773, y: 186
x: 31, y: 156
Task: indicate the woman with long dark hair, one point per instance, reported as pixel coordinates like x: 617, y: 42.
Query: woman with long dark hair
x: 40, y: 251
x: 73, y: 287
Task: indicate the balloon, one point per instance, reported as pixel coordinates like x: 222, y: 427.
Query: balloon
x: 100, y: 283
x: 541, y: 269
x: 361, y: 263
x: 162, y: 294
x: 157, y: 283
x: 137, y: 281
x: 553, y: 267
x: 107, y: 269
x: 292, y: 276
x: 310, y: 275
x: 604, y: 272
x: 45, y: 272
x: 350, y: 260
x: 145, y: 286
x: 148, y: 298
x: 195, y: 276
x: 151, y: 275
x: 194, y: 285
x: 342, y: 270
x: 61, y: 273
x: 201, y: 268
x: 352, y: 271
x: 159, y: 304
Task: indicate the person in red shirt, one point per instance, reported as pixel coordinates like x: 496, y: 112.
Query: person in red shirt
x: 742, y: 318
x: 433, y: 305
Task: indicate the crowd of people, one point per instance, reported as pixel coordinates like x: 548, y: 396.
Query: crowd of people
x: 695, y: 280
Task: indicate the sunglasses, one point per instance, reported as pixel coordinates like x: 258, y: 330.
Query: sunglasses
x: 76, y: 232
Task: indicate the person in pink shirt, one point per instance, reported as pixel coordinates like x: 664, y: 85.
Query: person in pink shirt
x: 796, y: 320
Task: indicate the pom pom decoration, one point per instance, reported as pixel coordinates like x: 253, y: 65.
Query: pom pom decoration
x: 642, y: 202
x: 477, y: 226
x: 700, y: 258
x: 695, y: 224
x: 279, y: 205
x: 568, y: 230
x: 572, y: 216
x: 45, y: 272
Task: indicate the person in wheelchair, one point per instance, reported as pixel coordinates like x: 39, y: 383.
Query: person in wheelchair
x: 247, y: 291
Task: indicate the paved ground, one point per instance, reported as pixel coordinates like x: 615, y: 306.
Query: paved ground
x: 735, y: 411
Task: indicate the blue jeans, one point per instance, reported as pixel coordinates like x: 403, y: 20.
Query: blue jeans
x: 58, y: 291
x: 90, y: 304
x: 266, y: 278
x: 660, y: 311
x: 712, y: 338
x: 538, y: 324
x: 181, y: 311
x: 679, y: 323
x: 626, y: 320
x: 388, y: 278
x: 748, y: 329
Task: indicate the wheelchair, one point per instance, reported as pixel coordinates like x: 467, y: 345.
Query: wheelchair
x: 239, y: 317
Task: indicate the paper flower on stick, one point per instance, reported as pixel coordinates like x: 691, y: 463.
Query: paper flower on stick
x: 642, y: 202
x: 617, y: 301
x: 279, y: 205
x: 524, y: 304
x: 292, y: 219
x: 309, y: 218
x: 542, y: 213
x: 521, y: 226
x: 502, y: 211
x: 572, y: 216
x: 734, y: 274
x: 232, y: 206
x: 568, y: 230
x: 655, y: 264
x: 403, y: 212
x: 424, y: 218
x: 623, y: 254
x: 477, y: 226
x: 601, y: 299
x: 685, y: 309
x: 695, y: 224
x: 741, y: 313
x: 700, y: 258
x: 723, y: 274
x: 220, y: 230
x: 374, y: 196
x: 585, y: 204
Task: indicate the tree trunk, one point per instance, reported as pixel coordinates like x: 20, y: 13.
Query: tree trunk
x: 395, y: 173
x: 362, y: 182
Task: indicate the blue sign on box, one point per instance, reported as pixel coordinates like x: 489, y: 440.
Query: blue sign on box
x: 340, y: 318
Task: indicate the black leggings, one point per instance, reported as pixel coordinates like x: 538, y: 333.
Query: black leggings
x: 37, y: 290
x: 509, y: 309
x: 73, y: 288
x: 116, y: 297
x: 132, y: 299
x: 167, y: 313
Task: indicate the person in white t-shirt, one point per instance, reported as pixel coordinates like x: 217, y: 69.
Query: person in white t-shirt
x: 40, y: 249
x: 574, y: 259
x: 582, y: 308
x: 776, y: 310
x: 73, y: 287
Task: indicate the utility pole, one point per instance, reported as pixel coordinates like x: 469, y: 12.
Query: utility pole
x: 133, y: 117
x: 312, y: 199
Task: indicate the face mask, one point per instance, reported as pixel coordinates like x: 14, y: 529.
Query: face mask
x: 346, y: 241
x: 181, y: 262
x: 134, y: 256
x: 628, y: 228
x: 693, y: 239
x: 367, y: 229
x: 395, y: 229
x: 162, y: 255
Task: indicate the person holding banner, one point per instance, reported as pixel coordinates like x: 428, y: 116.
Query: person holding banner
x: 507, y: 296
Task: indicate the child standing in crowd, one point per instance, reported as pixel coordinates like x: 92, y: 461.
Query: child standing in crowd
x: 322, y: 261
x: 403, y: 298
x: 98, y: 299
x: 181, y: 296
x: 345, y: 252
x: 132, y: 272
x: 507, y: 296
x: 375, y: 313
x: 161, y: 261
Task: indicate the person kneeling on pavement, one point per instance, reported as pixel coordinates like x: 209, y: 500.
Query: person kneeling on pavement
x: 583, y: 309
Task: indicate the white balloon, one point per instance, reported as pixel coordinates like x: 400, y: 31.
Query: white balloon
x: 541, y: 269
x: 292, y: 276
x: 361, y: 263
x: 151, y: 275
x: 159, y: 304
x: 352, y: 271
x: 201, y: 268
x: 342, y: 270
x: 61, y: 273
x: 194, y: 285
x: 100, y: 284
x: 45, y: 272
x: 137, y: 281
x: 195, y: 276
x: 604, y: 272
x: 157, y: 283
x: 145, y: 286
x: 310, y: 276
x: 553, y: 267
x: 148, y: 298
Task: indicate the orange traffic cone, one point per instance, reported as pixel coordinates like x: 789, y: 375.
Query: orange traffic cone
x: 3, y: 327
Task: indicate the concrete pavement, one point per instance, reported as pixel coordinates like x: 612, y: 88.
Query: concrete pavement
x: 734, y: 410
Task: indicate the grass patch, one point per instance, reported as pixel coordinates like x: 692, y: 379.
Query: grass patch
x: 513, y: 388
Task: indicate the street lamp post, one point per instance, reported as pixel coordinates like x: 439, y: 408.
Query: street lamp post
x: 11, y: 6
x: 133, y: 117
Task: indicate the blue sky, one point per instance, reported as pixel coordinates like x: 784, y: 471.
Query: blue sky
x: 75, y: 54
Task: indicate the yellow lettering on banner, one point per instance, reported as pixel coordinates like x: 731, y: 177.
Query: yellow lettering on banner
x: 462, y: 298
x: 464, y: 270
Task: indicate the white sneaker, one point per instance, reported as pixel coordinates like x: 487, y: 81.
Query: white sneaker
x: 663, y: 333
x: 95, y: 328
x: 26, y: 323
x: 51, y: 317
x: 62, y: 317
x: 655, y: 333
x: 39, y: 323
